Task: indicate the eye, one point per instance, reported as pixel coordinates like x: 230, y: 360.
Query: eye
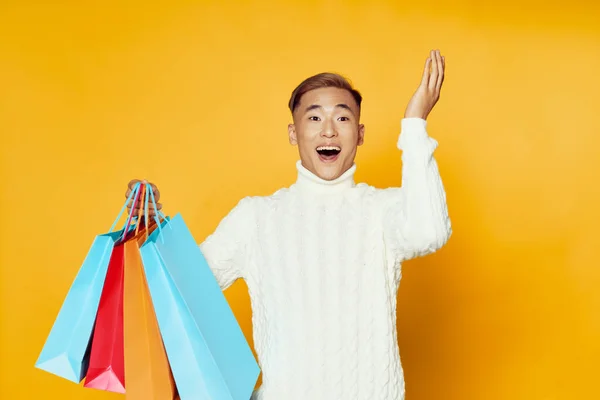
x: 344, y: 119
x: 314, y: 118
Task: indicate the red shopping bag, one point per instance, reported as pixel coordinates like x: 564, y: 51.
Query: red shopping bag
x: 107, y: 364
x: 106, y: 369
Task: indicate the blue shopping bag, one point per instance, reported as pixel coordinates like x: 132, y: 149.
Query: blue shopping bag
x: 66, y: 350
x: 208, y: 353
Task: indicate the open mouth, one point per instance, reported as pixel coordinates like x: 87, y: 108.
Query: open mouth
x: 328, y: 153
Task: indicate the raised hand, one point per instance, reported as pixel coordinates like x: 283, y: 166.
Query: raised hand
x: 136, y: 207
x: 428, y: 92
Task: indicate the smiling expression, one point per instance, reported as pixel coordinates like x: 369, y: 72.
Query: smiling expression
x: 327, y: 131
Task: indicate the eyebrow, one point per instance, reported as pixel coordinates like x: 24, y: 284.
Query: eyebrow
x: 317, y: 106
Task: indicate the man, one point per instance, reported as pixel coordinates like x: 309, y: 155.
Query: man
x: 322, y: 258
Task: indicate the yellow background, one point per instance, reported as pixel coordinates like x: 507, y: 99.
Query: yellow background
x: 192, y: 95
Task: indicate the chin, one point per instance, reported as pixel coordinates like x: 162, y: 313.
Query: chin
x: 329, y: 172
x: 328, y: 177
x: 326, y: 170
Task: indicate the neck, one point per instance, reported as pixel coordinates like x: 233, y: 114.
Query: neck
x: 308, y: 181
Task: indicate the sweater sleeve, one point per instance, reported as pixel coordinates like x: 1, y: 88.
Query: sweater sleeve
x: 226, y: 248
x: 416, y: 221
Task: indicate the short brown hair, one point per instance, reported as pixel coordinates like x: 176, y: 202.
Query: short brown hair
x: 319, y: 81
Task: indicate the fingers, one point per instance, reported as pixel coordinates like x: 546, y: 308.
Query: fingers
x: 140, y: 204
x: 425, y: 79
x: 436, y: 77
x: 151, y: 212
x: 434, y: 70
x: 155, y: 191
x: 133, y: 182
x: 441, y: 68
x: 136, y: 207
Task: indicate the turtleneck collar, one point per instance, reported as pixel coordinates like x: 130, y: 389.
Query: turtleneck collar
x: 307, y: 181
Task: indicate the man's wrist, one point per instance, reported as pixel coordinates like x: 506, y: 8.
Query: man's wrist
x: 413, y: 114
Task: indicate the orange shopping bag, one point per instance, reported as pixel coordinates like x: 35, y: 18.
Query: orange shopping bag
x: 147, y: 369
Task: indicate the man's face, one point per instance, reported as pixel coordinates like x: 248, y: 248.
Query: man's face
x: 327, y: 131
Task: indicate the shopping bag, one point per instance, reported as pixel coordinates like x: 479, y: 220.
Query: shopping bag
x: 66, y: 350
x: 147, y: 369
x: 106, y: 369
x: 208, y: 353
x: 106, y: 366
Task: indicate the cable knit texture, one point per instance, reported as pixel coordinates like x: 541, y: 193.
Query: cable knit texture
x: 322, y: 261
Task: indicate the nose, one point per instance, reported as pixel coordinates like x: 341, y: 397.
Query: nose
x: 328, y: 129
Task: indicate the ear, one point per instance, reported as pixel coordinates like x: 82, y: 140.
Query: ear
x: 361, y: 134
x: 292, y: 134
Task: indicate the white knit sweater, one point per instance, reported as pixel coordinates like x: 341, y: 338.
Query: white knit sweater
x: 322, y: 263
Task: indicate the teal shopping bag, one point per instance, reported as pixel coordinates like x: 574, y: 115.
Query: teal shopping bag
x: 208, y: 353
x: 66, y: 350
